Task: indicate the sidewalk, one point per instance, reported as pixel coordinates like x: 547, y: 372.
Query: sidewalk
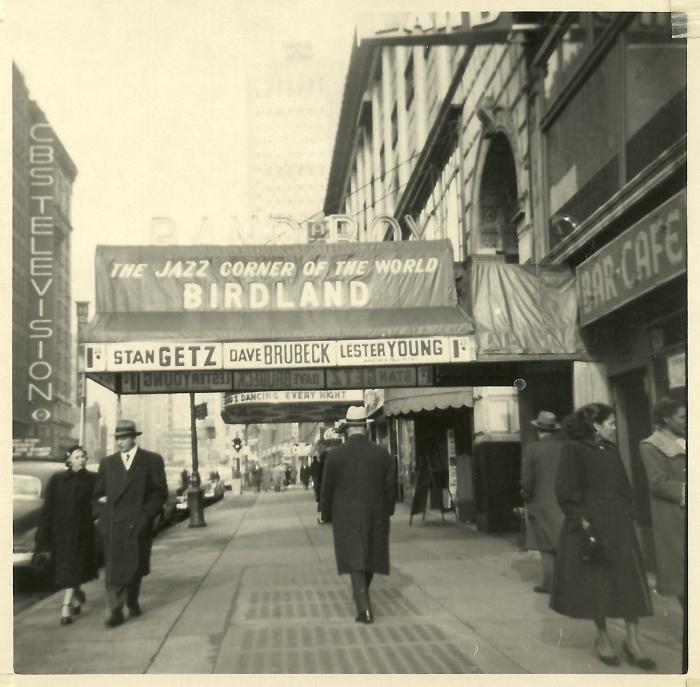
x: 256, y: 591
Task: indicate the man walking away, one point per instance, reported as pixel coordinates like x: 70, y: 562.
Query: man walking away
x: 357, y: 497
x: 132, y: 487
x: 538, y: 477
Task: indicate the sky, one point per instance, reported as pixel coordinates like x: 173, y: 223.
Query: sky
x: 147, y: 97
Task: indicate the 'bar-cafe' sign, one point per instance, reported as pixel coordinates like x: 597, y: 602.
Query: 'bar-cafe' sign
x: 648, y: 254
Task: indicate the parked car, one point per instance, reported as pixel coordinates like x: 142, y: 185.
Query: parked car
x: 176, y: 505
x: 214, y: 489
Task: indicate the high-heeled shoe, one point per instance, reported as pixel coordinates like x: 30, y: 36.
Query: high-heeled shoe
x: 365, y: 617
x: 66, y: 619
x: 643, y: 662
x: 608, y: 660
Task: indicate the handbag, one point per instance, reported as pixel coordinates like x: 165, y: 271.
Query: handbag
x: 592, y: 545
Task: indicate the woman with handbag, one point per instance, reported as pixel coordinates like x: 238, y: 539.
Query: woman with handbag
x: 66, y: 530
x: 599, y: 569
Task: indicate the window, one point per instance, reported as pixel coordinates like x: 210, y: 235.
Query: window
x: 627, y: 110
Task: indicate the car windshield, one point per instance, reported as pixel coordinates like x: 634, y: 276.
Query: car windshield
x: 26, y: 487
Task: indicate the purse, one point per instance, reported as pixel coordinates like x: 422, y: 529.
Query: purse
x: 592, y: 545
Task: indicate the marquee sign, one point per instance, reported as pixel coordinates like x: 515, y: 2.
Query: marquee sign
x: 434, y: 28
x: 161, y: 356
x: 299, y: 278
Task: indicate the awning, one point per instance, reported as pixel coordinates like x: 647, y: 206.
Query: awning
x: 288, y: 406
x: 405, y: 401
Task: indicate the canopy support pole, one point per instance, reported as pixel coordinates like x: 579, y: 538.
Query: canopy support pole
x: 83, y: 404
x: 195, y: 498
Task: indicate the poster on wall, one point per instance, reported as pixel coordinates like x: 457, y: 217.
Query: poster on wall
x: 675, y: 365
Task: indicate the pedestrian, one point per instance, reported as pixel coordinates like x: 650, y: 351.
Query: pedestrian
x: 258, y: 477
x: 357, y: 497
x: 66, y: 531
x: 278, y: 477
x: 538, y: 475
x: 595, y: 495
x: 131, y: 483
x: 664, y: 455
x: 305, y: 476
x: 313, y: 474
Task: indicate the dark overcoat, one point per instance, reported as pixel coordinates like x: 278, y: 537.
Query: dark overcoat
x: 665, y: 463
x: 134, y: 499
x: 357, y: 496
x: 538, y: 476
x: 66, y: 527
x: 592, y: 482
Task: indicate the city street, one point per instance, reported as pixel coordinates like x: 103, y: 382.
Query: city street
x: 256, y: 591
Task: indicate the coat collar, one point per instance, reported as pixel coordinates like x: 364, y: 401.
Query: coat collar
x: 665, y: 443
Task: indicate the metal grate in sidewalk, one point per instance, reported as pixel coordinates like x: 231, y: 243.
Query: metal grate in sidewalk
x: 301, y: 620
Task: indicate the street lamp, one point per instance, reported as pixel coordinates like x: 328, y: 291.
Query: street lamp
x: 195, y: 498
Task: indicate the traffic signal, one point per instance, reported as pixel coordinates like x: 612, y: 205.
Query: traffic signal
x: 237, y: 444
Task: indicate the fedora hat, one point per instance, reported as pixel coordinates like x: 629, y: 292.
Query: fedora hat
x: 126, y: 428
x: 546, y: 421
x: 356, y: 416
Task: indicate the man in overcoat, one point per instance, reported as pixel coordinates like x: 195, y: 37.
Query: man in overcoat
x: 539, y: 465
x: 357, y: 497
x: 132, y: 488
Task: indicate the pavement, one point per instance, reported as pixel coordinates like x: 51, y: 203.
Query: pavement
x: 257, y: 592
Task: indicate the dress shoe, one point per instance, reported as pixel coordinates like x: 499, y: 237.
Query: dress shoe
x: 365, y: 617
x: 134, y: 611
x: 643, y: 662
x: 541, y: 589
x: 608, y: 660
x: 115, y: 619
x: 66, y: 617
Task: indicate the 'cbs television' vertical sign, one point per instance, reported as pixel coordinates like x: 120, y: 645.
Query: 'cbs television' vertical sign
x: 40, y: 389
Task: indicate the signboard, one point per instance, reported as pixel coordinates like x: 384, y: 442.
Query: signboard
x: 279, y: 354
x: 162, y: 356
x: 254, y: 380
x: 296, y: 396
x: 649, y: 253
x: 378, y: 377
x: 29, y: 448
x: 299, y: 278
x: 176, y: 382
x: 434, y: 28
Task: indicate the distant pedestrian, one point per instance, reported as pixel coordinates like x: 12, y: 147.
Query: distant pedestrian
x: 257, y: 477
x: 665, y: 459
x: 305, y: 476
x: 66, y: 530
x: 595, y: 494
x: 313, y: 474
x: 538, y: 475
x: 278, y: 477
x: 357, y: 497
x: 131, y: 483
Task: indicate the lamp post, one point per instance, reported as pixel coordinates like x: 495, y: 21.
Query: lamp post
x: 195, y: 498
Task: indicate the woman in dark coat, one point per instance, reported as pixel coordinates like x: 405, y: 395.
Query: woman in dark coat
x: 665, y: 460
x: 594, y: 491
x: 66, y: 530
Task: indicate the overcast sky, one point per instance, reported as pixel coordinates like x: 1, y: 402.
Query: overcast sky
x: 147, y: 99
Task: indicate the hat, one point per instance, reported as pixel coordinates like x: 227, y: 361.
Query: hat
x: 546, y: 421
x: 355, y: 417
x: 126, y: 428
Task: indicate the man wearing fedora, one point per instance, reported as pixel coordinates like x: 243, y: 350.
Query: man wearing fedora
x: 132, y: 487
x: 539, y: 465
x: 357, y: 497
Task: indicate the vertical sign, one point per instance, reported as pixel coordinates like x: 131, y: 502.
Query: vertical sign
x: 40, y: 271
x: 452, y: 467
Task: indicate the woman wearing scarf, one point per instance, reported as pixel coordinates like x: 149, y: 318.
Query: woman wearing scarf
x: 665, y: 459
